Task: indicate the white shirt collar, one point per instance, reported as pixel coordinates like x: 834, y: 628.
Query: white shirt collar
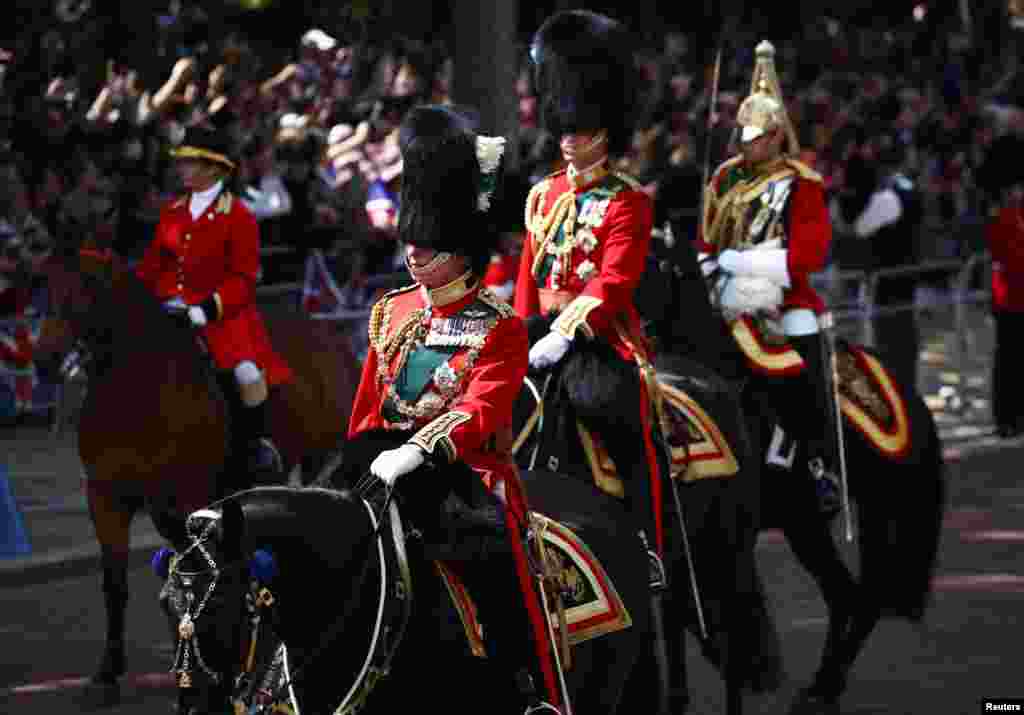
x: 199, y: 201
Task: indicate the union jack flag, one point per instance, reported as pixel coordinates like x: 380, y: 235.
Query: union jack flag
x: 381, y: 206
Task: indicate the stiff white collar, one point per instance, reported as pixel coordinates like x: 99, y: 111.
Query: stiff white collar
x: 199, y: 201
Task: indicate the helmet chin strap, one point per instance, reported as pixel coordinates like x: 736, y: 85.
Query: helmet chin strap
x: 436, y: 272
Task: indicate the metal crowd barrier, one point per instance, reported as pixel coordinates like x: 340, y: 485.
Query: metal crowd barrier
x: 852, y: 296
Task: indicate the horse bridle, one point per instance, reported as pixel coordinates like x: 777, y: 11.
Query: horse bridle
x: 386, y: 636
x: 91, y: 336
x: 188, y: 642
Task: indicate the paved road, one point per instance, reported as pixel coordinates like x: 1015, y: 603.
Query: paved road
x: 52, y: 624
x: 968, y: 648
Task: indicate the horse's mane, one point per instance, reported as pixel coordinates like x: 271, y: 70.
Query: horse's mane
x: 698, y: 331
x: 158, y: 332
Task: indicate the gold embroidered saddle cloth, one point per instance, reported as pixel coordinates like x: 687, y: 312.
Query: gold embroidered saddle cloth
x: 869, y: 396
x: 580, y: 592
x: 699, y: 449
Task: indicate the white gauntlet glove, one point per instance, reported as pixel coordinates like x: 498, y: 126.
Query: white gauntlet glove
x: 768, y: 263
x: 549, y: 350
x: 197, y: 315
x: 390, y: 465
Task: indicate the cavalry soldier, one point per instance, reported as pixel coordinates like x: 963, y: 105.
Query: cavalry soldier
x: 589, y: 230
x: 445, y: 364
x: 765, y: 217
x: 204, y: 261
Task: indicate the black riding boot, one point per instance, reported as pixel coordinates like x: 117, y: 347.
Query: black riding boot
x: 262, y: 455
x: 508, y: 631
x: 622, y: 435
x: 816, y: 427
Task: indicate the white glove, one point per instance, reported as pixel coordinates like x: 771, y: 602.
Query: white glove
x: 390, y: 465
x: 197, y: 316
x: 549, y: 350
x: 708, y: 265
x: 767, y: 263
x: 175, y: 304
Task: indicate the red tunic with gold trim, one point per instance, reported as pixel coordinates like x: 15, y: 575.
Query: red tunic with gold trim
x: 450, y: 367
x: 216, y: 255
x: 583, y: 257
x: 783, y: 202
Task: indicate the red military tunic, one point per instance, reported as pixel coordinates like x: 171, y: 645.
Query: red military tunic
x: 501, y: 274
x: 215, y: 255
x: 583, y: 258
x: 584, y: 255
x: 450, y: 366
x: 1005, y: 235
x: 451, y: 370
x: 736, y: 196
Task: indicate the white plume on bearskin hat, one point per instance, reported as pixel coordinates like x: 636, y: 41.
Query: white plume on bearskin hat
x: 449, y: 173
x: 586, y: 76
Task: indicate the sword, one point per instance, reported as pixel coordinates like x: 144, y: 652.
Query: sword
x: 826, y: 322
x: 659, y: 409
x: 556, y: 651
x: 689, y: 558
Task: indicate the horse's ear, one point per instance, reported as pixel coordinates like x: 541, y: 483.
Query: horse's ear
x: 171, y: 526
x: 232, y: 529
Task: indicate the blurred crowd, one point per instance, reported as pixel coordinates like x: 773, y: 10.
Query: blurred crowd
x: 315, y: 133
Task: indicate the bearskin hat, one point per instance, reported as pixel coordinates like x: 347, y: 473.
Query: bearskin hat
x: 586, y: 76
x: 441, y: 181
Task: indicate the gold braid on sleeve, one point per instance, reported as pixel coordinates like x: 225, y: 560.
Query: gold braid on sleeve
x: 438, y: 432
x: 574, y: 317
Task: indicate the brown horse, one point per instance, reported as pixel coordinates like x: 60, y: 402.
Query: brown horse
x: 155, y: 431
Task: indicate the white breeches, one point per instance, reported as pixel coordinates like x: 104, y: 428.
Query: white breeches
x: 251, y: 384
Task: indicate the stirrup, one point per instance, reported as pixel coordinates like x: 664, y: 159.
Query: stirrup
x: 657, y: 573
x: 264, y: 456
x: 826, y: 486
x: 534, y: 705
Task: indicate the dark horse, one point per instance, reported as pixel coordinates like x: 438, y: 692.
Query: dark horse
x: 337, y: 585
x: 720, y: 508
x: 154, y: 430
x: 899, y: 497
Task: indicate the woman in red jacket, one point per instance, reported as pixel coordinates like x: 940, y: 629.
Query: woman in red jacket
x: 204, y: 261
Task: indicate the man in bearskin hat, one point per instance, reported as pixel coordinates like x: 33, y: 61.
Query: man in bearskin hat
x: 445, y: 363
x: 765, y: 223
x: 589, y: 230
x: 204, y: 261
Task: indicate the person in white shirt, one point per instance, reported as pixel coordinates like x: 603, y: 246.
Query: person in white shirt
x: 882, y: 205
x: 264, y: 192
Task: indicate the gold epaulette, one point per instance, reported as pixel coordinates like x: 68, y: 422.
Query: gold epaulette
x: 726, y: 165
x: 224, y: 203
x: 630, y: 181
x: 804, y: 171
x: 380, y: 314
x: 488, y: 298
x: 398, y: 291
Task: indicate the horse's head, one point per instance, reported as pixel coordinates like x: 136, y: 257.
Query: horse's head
x: 205, y: 598
x: 79, y: 283
x: 324, y: 585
